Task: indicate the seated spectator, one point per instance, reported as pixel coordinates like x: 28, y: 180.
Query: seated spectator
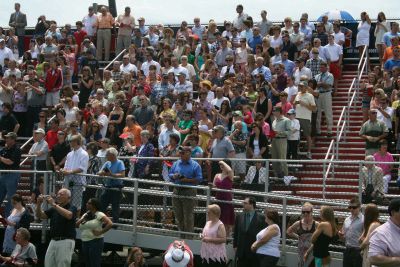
x: 24, y: 253
x: 384, y: 156
x: 135, y: 258
x: 372, y: 181
x: 178, y: 254
x: 256, y: 174
x: 258, y: 143
x: 372, y: 131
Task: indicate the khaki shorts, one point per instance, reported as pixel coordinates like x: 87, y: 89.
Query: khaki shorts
x: 305, y: 125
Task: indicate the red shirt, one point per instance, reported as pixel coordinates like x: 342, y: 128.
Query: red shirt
x: 79, y: 37
x: 54, y: 80
x: 51, y: 138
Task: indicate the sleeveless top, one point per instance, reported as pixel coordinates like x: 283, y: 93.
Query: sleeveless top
x: 262, y: 107
x: 223, y: 183
x: 321, y: 246
x: 271, y: 248
x: 211, y: 251
x: 304, y: 241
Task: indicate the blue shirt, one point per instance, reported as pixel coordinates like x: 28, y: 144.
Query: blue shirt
x: 391, y: 63
x: 114, y: 167
x: 254, y: 41
x: 264, y: 70
x: 189, y: 169
x: 387, y: 36
x: 289, y: 67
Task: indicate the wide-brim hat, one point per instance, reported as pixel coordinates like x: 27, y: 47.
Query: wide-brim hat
x: 176, y: 257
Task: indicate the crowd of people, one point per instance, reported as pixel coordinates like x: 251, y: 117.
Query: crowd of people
x: 247, y: 90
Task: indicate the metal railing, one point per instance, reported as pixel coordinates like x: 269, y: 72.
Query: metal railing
x: 112, y: 61
x: 31, y: 138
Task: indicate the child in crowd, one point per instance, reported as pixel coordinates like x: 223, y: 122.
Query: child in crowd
x: 294, y: 136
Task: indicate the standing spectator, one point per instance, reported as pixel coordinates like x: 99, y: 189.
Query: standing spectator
x: 75, y: 167
x: 144, y: 113
x: 384, y: 156
x: 92, y: 232
x: 35, y: 100
x: 371, y: 222
x: 363, y: 33
x: 394, y: 61
x: 14, y: 222
x: 264, y: 25
x: 104, y: 24
x: 303, y: 230
x: 89, y: 22
x: 258, y: 143
x: 133, y: 128
x: 8, y: 122
x: 281, y: 127
x: 185, y: 171
x: 20, y: 107
x: 372, y: 181
x: 24, y: 251
x: 221, y: 147
x: 58, y: 155
x: 85, y: 83
x: 325, y: 234
x: 18, y: 21
x: 10, y: 157
x: 126, y: 24
x: 382, y: 27
x: 238, y: 21
x: 314, y: 62
x: 5, y: 53
x: 247, y: 225
x: 320, y: 34
x: 213, y: 239
x: 224, y: 181
x: 294, y: 136
x: 335, y: 53
x: 267, y: 244
x: 198, y: 29
x: 325, y: 82
x: 384, y: 249
x: 112, y: 194
x: 53, y: 84
x: 146, y: 149
x: 239, y: 142
x: 372, y: 131
x: 351, y: 231
x: 40, y: 150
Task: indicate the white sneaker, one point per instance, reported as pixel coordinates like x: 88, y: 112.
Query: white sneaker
x: 308, y: 155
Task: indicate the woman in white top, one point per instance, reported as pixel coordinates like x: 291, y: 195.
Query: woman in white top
x: 213, y: 239
x: 92, y: 232
x: 363, y: 32
x: 276, y: 39
x: 241, y: 55
x: 267, y: 241
x: 382, y: 26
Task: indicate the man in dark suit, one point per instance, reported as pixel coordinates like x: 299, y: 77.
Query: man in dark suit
x: 18, y: 21
x: 247, y: 226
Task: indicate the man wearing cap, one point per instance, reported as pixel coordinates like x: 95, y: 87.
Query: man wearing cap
x: 35, y: 95
x: 128, y: 67
x: 142, y: 27
x: 305, y: 105
x: 104, y: 24
x: 325, y: 83
x: 18, y: 22
x: 281, y: 127
x: 373, y: 131
x: 8, y: 122
x: 126, y: 24
x: 75, y: 166
x: 384, y: 249
x: 314, y: 62
x: 39, y: 149
x: 183, y: 86
x: 301, y: 71
x: 5, y: 52
x: 10, y: 157
x: 185, y: 171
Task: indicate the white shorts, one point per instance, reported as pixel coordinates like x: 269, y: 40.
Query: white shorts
x: 52, y: 98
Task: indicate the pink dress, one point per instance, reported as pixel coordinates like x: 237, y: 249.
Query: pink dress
x: 227, y: 211
x: 211, y: 251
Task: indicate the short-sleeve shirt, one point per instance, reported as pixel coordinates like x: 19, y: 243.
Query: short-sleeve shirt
x: 61, y: 226
x: 14, y: 154
x: 385, y: 240
x: 301, y: 111
x: 221, y: 148
x: 373, y: 129
x: 20, y: 254
x: 8, y: 122
x: 114, y: 167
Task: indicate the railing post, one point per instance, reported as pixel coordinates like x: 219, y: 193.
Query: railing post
x: 208, y: 200
x: 360, y: 181
x: 266, y: 184
x: 324, y: 179
x: 33, y: 186
x: 284, y: 215
x: 135, y: 208
x: 46, y: 192
x: 367, y: 59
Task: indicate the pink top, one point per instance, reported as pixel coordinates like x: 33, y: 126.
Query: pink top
x: 211, y: 251
x: 266, y: 129
x: 385, y: 158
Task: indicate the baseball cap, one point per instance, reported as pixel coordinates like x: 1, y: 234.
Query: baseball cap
x: 237, y: 113
x: 40, y: 131
x: 11, y: 135
x: 291, y: 111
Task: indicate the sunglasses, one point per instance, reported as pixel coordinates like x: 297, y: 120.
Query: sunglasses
x: 353, y: 207
x: 306, y: 211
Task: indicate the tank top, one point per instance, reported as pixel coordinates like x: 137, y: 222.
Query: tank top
x: 321, y: 246
x: 211, y: 251
x: 271, y: 248
x: 262, y: 107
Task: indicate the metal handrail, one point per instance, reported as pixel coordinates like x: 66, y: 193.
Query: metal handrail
x: 112, y: 61
x: 362, y: 56
x: 326, y: 170
x: 30, y: 139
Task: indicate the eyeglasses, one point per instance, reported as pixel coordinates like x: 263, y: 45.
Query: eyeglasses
x: 306, y: 211
x: 353, y: 207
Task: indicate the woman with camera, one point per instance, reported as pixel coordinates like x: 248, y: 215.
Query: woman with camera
x: 92, y: 232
